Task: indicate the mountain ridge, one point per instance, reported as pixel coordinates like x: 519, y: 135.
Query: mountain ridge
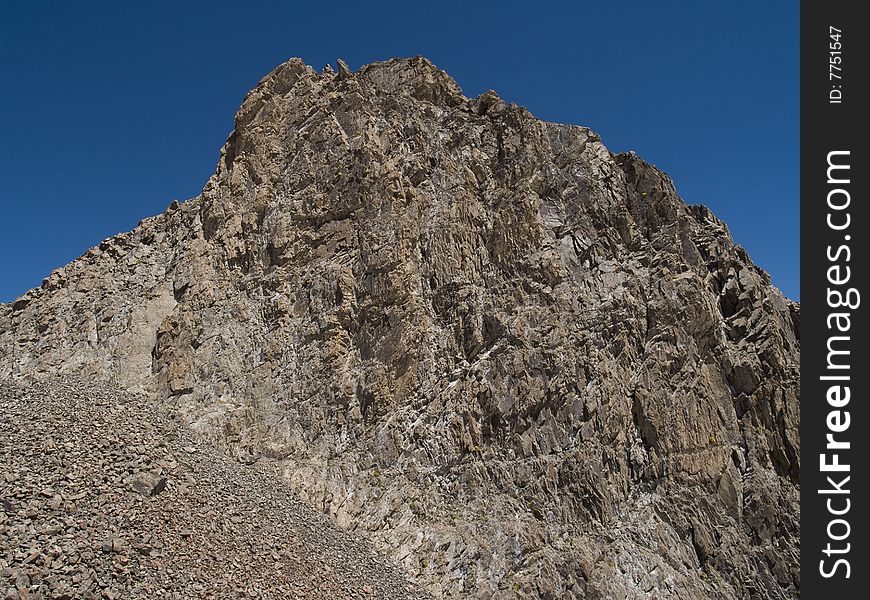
x: 503, y: 353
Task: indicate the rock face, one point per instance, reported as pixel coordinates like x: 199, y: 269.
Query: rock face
x: 519, y: 363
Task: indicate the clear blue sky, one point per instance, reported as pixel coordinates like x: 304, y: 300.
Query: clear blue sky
x: 110, y: 110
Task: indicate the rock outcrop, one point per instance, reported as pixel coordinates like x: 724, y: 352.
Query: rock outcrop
x: 519, y: 363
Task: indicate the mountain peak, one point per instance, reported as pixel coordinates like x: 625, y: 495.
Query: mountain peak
x: 518, y: 363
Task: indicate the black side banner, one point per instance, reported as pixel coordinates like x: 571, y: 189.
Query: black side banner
x: 835, y: 420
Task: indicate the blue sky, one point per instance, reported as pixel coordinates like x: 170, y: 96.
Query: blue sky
x: 111, y: 110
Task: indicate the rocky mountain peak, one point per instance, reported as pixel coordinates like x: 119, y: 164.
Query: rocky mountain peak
x: 518, y: 363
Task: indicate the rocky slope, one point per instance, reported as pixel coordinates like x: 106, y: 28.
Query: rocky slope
x: 104, y: 497
x: 520, y: 364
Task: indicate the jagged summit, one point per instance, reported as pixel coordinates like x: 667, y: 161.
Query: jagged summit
x: 393, y: 76
x: 518, y: 363
x: 416, y: 77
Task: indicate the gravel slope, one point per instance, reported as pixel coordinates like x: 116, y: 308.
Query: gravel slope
x: 105, y: 497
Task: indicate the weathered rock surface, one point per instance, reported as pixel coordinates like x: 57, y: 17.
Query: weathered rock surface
x: 520, y: 364
x: 72, y: 527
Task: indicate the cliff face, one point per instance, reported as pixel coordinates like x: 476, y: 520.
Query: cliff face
x: 521, y: 364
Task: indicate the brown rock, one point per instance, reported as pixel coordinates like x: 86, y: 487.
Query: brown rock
x: 400, y: 294
x: 148, y: 484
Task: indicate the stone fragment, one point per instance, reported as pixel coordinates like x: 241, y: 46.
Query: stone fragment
x: 148, y: 484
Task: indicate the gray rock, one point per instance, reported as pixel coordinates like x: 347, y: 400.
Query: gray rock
x: 148, y: 484
x: 174, y: 546
x: 403, y: 297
